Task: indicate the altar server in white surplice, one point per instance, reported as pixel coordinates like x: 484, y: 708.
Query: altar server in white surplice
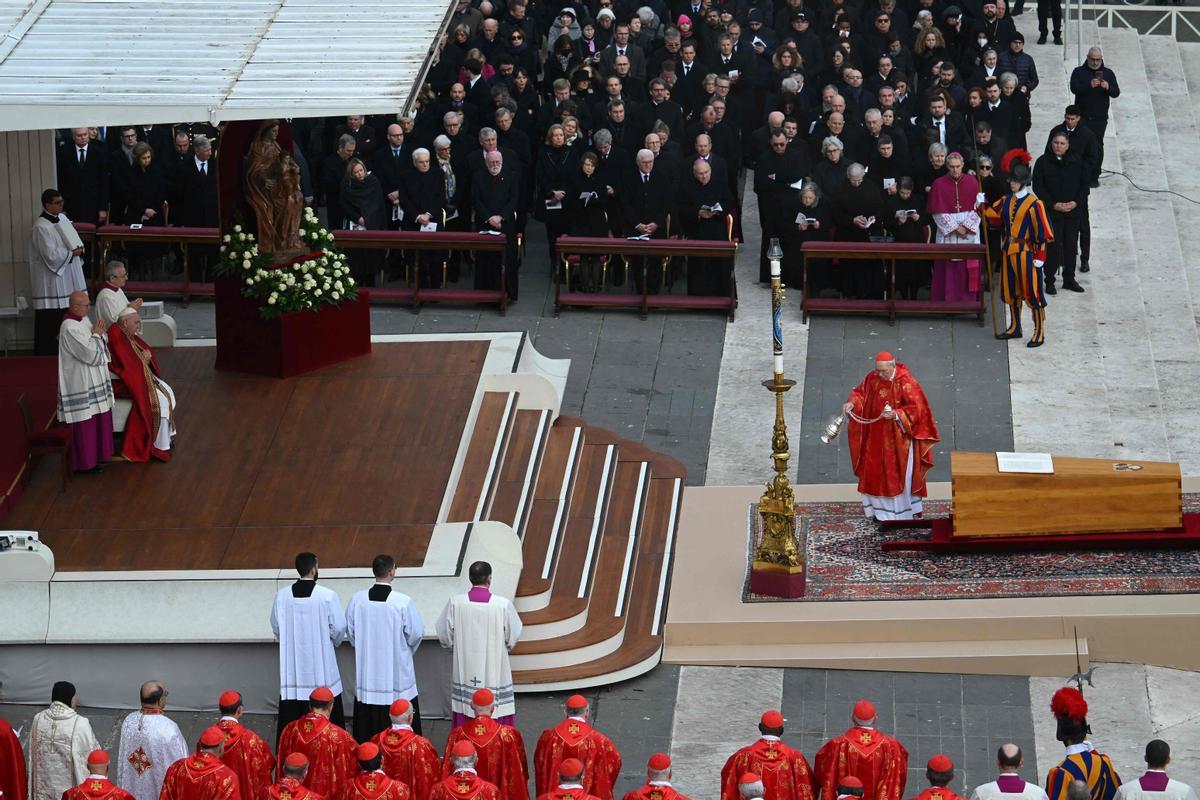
x: 1155, y: 785
x: 150, y: 743
x: 1009, y: 785
x: 481, y: 628
x: 385, y: 628
x: 307, y: 620
x: 55, y: 270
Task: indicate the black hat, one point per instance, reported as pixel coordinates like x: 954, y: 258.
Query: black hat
x: 799, y: 15
x: 1017, y: 37
x: 1019, y: 172
x: 952, y: 11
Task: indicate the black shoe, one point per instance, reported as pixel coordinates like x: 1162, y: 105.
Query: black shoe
x: 1042, y: 39
x: 1032, y: 343
x: 1050, y: 289
x: 1058, y: 38
x: 1016, y: 335
x: 1073, y: 286
x: 1085, y: 268
x: 1096, y: 184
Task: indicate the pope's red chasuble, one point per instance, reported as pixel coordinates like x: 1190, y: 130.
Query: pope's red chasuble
x: 501, y: 752
x: 464, y: 785
x: 288, y: 789
x: 784, y: 770
x: 410, y: 759
x: 249, y: 757
x: 875, y: 758
x: 328, y: 748
x: 373, y: 786
x: 658, y: 790
x: 879, y: 451
x: 574, y: 738
x: 97, y: 789
x: 200, y: 776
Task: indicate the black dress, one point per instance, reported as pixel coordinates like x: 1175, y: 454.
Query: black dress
x: 586, y: 203
x: 364, y: 199
x: 793, y: 242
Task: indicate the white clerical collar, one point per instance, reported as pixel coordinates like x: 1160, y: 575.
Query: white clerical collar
x: 1082, y: 747
x: 467, y: 769
x: 381, y: 583
x: 570, y: 786
x: 95, y: 776
x: 770, y: 738
x: 659, y: 783
x: 1157, y: 770
x: 231, y: 719
x: 1024, y: 190
x: 581, y: 719
x: 399, y: 726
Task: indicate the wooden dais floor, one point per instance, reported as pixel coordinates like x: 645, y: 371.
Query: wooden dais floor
x: 348, y: 461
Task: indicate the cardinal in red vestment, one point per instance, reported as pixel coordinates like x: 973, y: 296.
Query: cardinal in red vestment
x: 499, y: 749
x: 783, y: 770
x: 202, y: 775
x: 407, y: 756
x: 13, y: 782
x: 570, y: 783
x: 892, y: 434
x: 290, y: 785
x: 658, y: 781
x: 152, y: 421
x: 97, y: 786
x: 939, y: 772
x: 574, y: 737
x: 875, y: 758
x: 372, y: 783
x: 463, y: 782
x: 245, y: 751
x: 328, y: 748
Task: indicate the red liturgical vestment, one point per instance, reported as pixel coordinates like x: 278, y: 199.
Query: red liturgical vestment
x: 501, y: 752
x: 410, y: 759
x: 658, y: 790
x: 875, y: 758
x: 328, y: 748
x: 13, y: 781
x: 575, y: 738
x: 572, y: 792
x: 937, y: 793
x: 373, y: 786
x: 96, y: 788
x: 464, y: 785
x: 248, y: 756
x: 784, y: 770
x: 288, y: 789
x: 200, y: 776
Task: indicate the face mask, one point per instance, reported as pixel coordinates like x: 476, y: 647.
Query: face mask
x: 983, y: 41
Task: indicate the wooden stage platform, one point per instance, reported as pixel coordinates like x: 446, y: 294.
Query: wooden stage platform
x: 348, y: 461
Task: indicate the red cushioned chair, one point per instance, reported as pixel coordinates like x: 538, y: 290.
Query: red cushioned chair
x: 48, y: 441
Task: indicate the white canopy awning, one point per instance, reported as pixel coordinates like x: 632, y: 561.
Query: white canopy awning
x: 66, y: 63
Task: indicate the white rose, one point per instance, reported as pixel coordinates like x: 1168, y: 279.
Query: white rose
x: 349, y: 281
x: 320, y: 270
x: 323, y: 232
x: 241, y: 237
x: 317, y: 292
x: 249, y: 281
x: 283, y: 287
x: 246, y: 263
x: 237, y: 228
x: 227, y: 238
x: 271, y: 300
x: 336, y: 295
x: 338, y: 285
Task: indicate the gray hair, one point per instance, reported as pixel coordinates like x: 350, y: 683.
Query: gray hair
x: 811, y: 186
x: 462, y: 762
x: 749, y: 791
x: 643, y: 153
x: 790, y: 84
x: 982, y: 159
x: 441, y: 141
x: 346, y: 139
x: 503, y: 112
x: 856, y: 170
x: 873, y: 113
x: 200, y: 141
x: 486, y: 132
x: 1008, y: 77
x: 602, y: 136
x: 831, y: 141
x: 452, y: 116
x: 1076, y: 790
x: 420, y: 151
x: 658, y: 774
x: 112, y: 267
x: 937, y: 149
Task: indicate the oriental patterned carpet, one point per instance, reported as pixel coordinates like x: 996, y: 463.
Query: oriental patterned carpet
x: 845, y: 562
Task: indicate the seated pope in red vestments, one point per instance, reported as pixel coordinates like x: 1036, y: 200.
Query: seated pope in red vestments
x: 407, y: 756
x: 877, y: 760
x: 499, y: 749
x: 202, y: 775
x: 329, y: 749
x: 783, y: 770
x: 658, y: 781
x: 463, y: 782
x: 574, y: 737
x: 892, y: 434
x: 96, y: 786
x: 151, y: 423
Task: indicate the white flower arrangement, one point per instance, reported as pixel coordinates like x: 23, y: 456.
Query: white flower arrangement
x: 322, y: 278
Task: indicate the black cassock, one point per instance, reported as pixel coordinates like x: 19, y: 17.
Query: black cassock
x: 706, y: 276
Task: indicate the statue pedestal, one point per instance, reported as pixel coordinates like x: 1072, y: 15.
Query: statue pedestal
x: 774, y: 580
x: 290, y: 344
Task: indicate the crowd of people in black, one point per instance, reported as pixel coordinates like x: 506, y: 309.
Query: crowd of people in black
x: 638, y: 118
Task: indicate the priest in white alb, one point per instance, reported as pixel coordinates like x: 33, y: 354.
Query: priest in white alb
x: 480, y: 628
x: 385, y: 628
x: 150, y: 743
x: 60, y: 741
x: 55, y: 270
x: 307, y: 620
x: 85, y: 393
